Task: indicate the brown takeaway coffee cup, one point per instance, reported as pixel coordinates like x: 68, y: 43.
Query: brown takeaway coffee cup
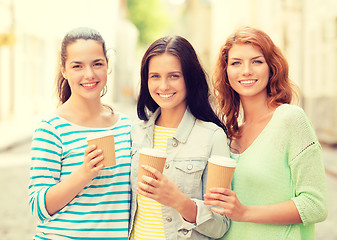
x: 220, y: 172
x: 107, y: 145
x: 153, y: 158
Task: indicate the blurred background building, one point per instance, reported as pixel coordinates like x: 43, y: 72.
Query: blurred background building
x: 30, y: 36
x: 31, y: 31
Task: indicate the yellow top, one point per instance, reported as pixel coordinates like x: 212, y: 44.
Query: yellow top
x: 148, y: 222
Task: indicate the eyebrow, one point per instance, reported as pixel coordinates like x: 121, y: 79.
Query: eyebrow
x: 250, y: 59
x: 168, y: 72
x: 95, y: 61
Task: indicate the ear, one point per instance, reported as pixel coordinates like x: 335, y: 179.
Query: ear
x: 63, y: 71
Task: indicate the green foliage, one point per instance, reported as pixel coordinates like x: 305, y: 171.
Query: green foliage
x: 150, y: 18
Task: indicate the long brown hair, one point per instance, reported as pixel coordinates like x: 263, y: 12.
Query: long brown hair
x: 198, y: 93
x: 63, y: 88
x: 280, y: 89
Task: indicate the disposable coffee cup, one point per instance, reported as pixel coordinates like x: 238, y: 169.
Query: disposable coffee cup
x: 107, y: 145
x: 152, y: 157
x: 220, y: 172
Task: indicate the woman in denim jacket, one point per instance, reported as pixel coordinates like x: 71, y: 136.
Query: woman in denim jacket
x: 177, y: 117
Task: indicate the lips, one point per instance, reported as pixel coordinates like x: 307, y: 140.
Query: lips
x: 166, y: 96
x: 89, y: 85
x: 248, y: 82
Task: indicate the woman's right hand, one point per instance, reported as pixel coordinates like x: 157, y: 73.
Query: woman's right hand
x: 92, y: 162
x: 228, y: 202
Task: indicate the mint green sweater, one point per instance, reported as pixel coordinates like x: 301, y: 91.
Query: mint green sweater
x: 283, y: 163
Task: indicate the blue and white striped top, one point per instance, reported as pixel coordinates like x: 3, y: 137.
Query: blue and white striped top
x: 101, y: 209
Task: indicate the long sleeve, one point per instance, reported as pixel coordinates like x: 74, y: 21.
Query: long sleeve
x: 209, y: 223
x: 46, y: 151
x: 283, y: 163
x: 308, y: 175
x: 186, y: 165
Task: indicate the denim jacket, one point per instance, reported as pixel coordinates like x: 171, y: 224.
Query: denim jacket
x: 186, y: 165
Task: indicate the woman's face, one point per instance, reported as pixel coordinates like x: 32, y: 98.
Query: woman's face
x: 247, y: 70
x: 85, y: 68
x: 166, y: 82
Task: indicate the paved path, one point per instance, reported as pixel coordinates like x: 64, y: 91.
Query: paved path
x: 16, y: 221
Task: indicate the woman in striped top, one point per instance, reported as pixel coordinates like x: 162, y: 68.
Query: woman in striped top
x: 72, y: 195
x: 175, y: 92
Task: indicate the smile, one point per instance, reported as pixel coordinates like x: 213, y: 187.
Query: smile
x: 166, y: 95
x: 89, y: 85
x: 247, y: 81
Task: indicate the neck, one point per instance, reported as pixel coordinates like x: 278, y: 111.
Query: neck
x: 170, y: 118
x: 255, y: 109
x: 86, y: 107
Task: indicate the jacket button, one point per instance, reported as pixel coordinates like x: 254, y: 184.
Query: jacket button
x: 185, y: 231
x: 169, y: 219
x: 175, y: 143
x: 189, y: 166
x: 167, y: 165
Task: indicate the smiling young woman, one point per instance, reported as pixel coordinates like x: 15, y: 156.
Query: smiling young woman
x: 85, y: 68
x: 248, y: 71
x: 279, y: 188
x: 72, y: 195
x: 167, y: 88
x: 178, y: 119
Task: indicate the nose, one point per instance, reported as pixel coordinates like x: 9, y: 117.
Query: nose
x: 163, y: 84
x: 88, y: 73
x: 247, y: 69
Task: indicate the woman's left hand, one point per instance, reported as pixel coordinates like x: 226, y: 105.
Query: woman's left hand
x: 228, y: 202
x: 161, y: 189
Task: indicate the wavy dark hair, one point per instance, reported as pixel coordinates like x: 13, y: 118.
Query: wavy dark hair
x: 280, y: 89
x: 63, y: 88
x: 197, y: 89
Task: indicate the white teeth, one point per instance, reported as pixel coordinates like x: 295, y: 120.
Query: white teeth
x: 247, y: 81
x: 88, y: 84
x: 165, y: 95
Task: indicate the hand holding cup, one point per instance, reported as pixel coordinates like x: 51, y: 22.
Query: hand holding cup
x: 153, y: 158
x: 107, y: 145
x: 220, y: 172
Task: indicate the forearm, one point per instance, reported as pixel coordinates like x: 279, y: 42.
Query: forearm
x: 280, y: 213
x: 187, y: 208
x: 62, y: 193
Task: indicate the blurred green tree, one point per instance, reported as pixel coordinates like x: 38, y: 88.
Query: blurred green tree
x: 151, y: 19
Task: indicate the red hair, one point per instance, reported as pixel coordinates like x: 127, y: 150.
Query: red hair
x: 280, y: 89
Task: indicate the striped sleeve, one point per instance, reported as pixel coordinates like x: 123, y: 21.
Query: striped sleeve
x: 46, y: 151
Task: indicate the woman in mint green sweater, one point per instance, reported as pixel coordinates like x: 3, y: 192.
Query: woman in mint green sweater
x: 279, y: 186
